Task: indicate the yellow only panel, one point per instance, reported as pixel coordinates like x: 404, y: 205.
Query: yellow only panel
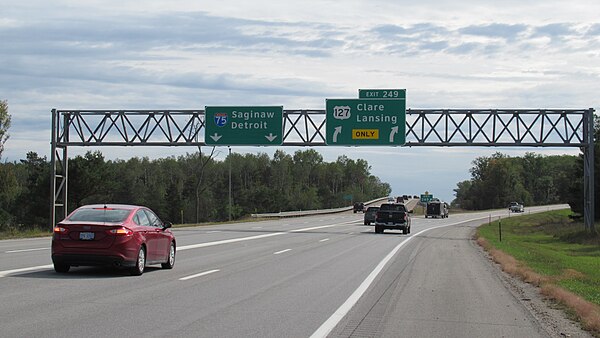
x: 365, y: 134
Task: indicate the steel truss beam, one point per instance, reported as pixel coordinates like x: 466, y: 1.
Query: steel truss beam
x: 305, y: 127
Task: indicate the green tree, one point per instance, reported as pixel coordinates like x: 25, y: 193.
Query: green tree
x: 33, y: 204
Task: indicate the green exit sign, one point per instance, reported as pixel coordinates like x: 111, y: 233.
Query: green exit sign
x: 244, y: 125
x: 425, y: 198
x: 382, y: 94
x: 365, y: 122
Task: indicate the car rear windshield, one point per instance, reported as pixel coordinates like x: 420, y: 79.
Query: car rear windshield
x: 100, y: 215
x: 373, y: 209
x: 393, y: 207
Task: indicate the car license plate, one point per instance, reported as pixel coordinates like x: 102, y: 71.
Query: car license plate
x: 86, y: 236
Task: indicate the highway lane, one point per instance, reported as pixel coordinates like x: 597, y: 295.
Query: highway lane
x: 271, y: 279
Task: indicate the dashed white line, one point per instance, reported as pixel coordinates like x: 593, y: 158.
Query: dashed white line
x: 324, y: 240
x: 282, y: 251
x: 213, y: 231
x: 16, y: 271
x: 225, y: 241
x: 200, y: 274
x: 26, y: 250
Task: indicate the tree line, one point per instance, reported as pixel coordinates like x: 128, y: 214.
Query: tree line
x: 189, y: 189
x: 532, y: 179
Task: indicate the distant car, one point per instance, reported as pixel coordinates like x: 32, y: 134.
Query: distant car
x: 113, y: 235
x: 390, y: 199
x: 370, y: 215
x: 516, y: 207
x: 359, y: 206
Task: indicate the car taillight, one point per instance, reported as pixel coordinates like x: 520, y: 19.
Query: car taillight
x: 120, y: 232
x: 60, y: 230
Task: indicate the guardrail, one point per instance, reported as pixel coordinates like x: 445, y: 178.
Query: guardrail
x: 299, y: 213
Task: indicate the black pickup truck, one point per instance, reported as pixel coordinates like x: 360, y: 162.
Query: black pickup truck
x: 392, y: 216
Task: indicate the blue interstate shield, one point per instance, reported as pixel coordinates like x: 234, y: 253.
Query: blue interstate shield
x: 220, y: 119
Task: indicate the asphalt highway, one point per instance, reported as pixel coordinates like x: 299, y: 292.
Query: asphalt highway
x: 325, y: 275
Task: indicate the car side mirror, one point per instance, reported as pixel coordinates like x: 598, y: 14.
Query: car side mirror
x: 167, y: 225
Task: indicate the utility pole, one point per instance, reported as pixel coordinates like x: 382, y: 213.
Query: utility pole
x: 229, y: 158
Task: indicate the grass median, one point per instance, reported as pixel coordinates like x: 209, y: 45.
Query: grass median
x: 553, y: 252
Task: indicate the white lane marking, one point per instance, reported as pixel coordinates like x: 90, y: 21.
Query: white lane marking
x: 26, y: 250
x: 324, y: 240
x: 257, y: 227
x: 343, y: 310
x: 322, y: 226
x: 351, y: 233
x: 16, y: 271
x: 213, y: 231
x: 282, y: 251
x: 199, y: 274
x: 225, y: 241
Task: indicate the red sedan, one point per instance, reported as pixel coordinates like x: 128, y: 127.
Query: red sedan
x: 116, y: 235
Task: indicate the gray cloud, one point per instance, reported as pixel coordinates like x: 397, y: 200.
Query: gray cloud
x: 495, y: 30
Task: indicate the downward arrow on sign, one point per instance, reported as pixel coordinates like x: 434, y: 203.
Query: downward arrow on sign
x: 271, y: 137
x: 216, y: 137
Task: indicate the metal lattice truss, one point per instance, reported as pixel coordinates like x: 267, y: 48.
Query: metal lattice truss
x: 434, y: 127
x: 305, y: 127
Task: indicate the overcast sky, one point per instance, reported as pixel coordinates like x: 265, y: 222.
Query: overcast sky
x: 187, y: 54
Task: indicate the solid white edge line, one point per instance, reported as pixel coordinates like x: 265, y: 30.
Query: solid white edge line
x: 200, y: 274
x: 33, y: 268
x: 343, y: 310
x: 282, y: 251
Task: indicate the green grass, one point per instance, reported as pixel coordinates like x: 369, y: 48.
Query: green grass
x: 13, y: 233
x: 552, y: 244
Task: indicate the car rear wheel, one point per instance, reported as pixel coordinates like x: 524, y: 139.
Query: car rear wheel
x: 171, y: 260
x: 61, y: 268
x: 140, y: 263
x: 378, y: 229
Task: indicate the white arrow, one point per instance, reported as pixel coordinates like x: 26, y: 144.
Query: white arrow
x: 216, y: 137
x: 394, y: 132
x: 271, y: 137
x: 337, y: 131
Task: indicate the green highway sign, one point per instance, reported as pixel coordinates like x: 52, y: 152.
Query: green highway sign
x: 382, y: 94
x: 425, y: 198
x: 231, y: 125
x: 365, y: 122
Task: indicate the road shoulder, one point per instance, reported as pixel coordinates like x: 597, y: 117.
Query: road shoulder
x: 548, y: 314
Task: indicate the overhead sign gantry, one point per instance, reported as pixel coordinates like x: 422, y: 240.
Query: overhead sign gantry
x: 370, y: 119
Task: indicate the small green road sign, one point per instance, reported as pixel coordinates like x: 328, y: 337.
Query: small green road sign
x: 365, y: 122
x: 229, y: 125
x: 382, y: 94
x: 425, y: 198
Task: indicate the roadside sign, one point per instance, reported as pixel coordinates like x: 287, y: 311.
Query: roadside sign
x: 365, y: 122
x: 382, y: 94
x: 244, y: 125
x: 426, y: 198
